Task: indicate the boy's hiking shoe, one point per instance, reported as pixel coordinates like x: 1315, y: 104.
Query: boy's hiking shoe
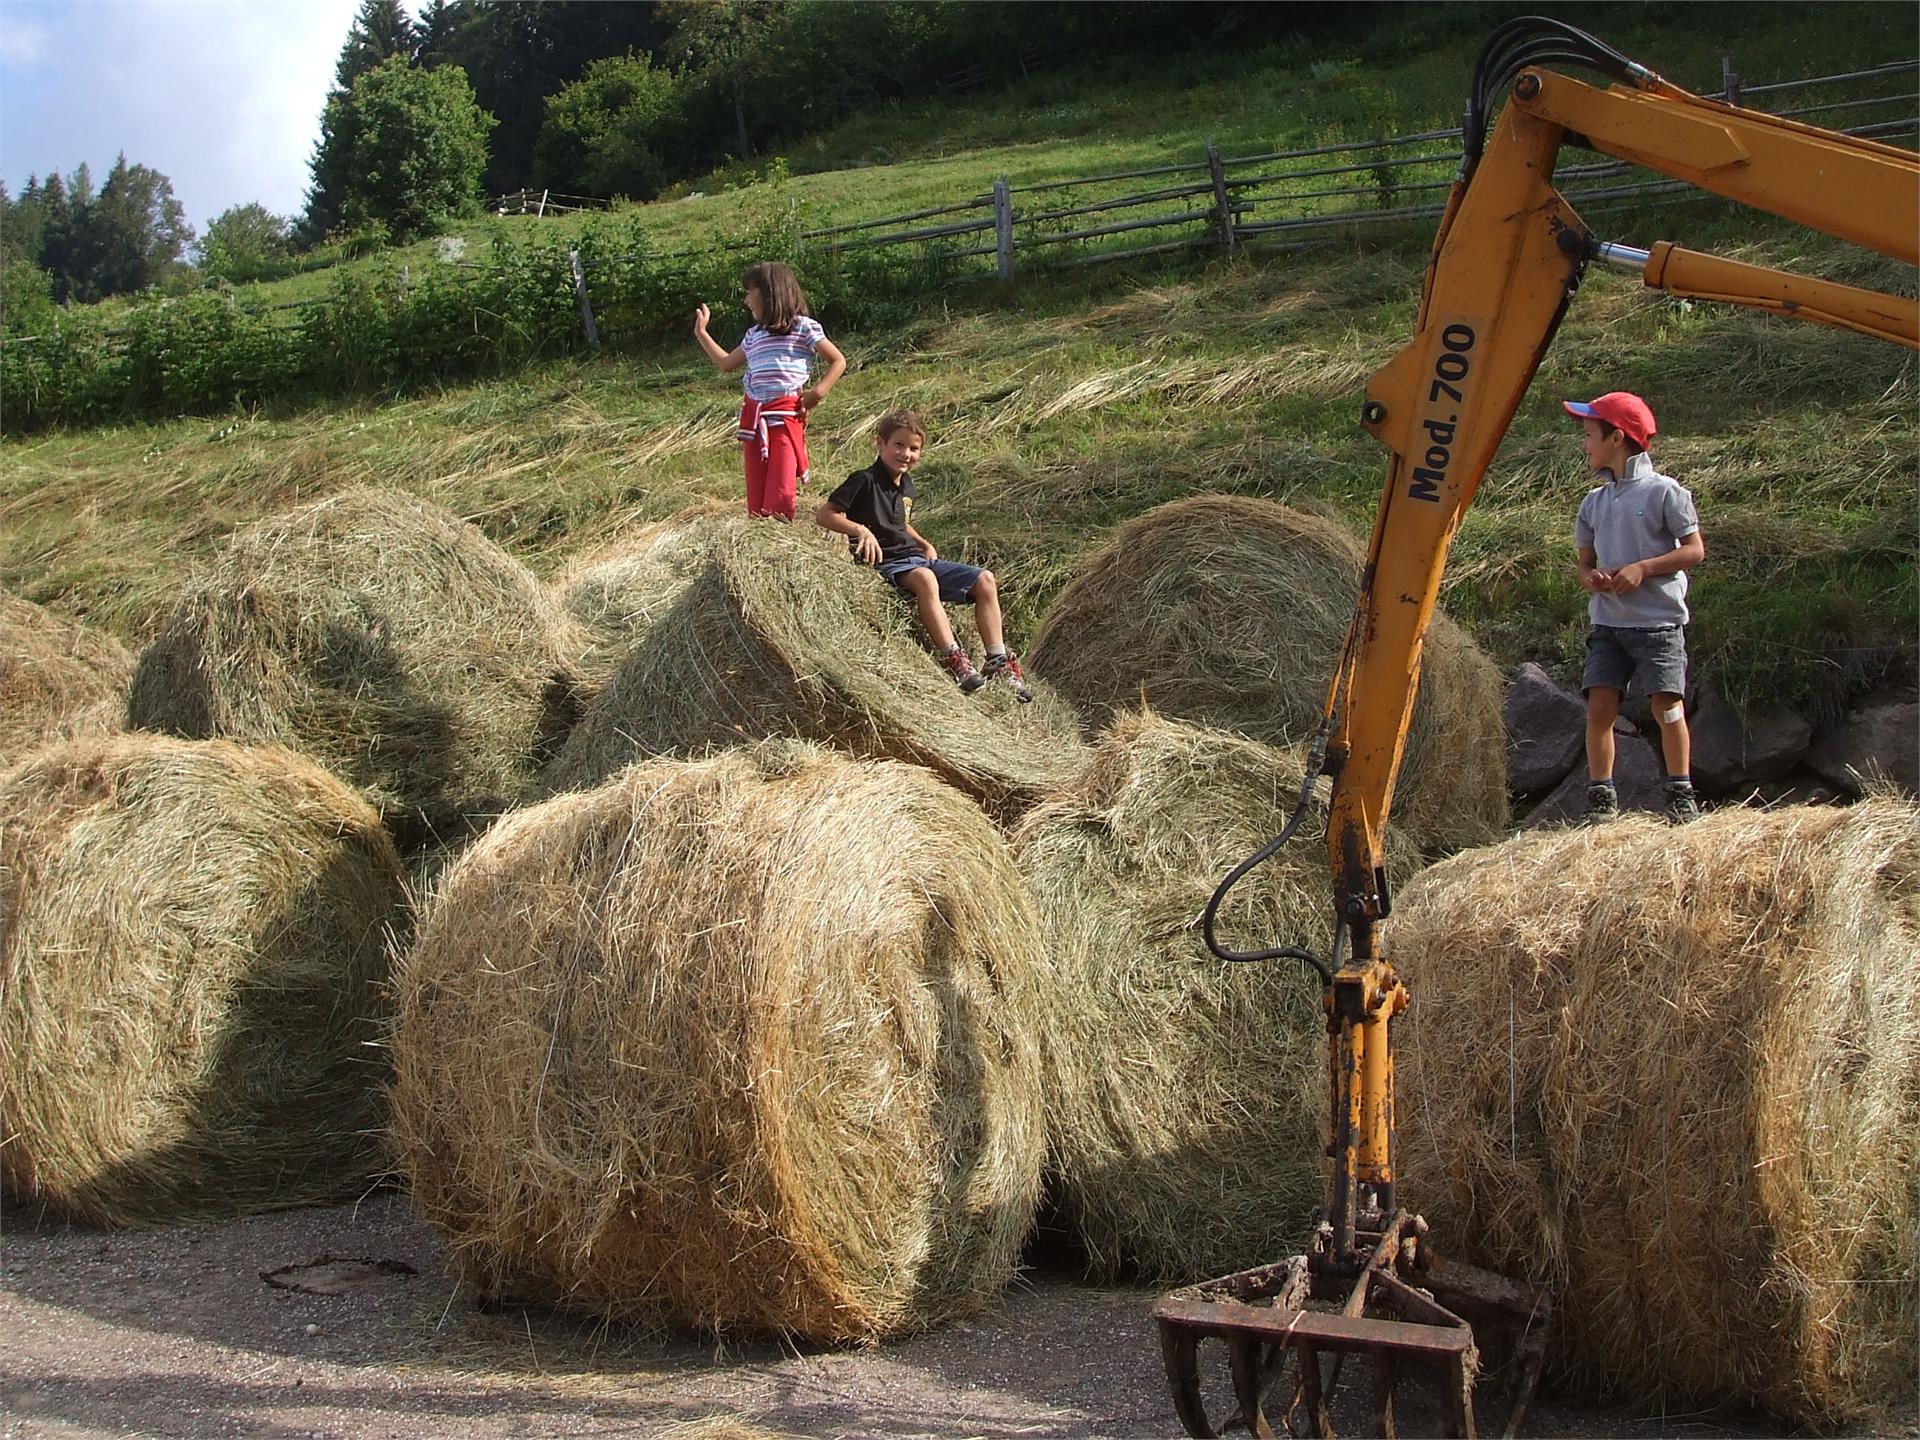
x: 969, y: 678
x: 1603, y: 804
x: 1682, y: 806
x: 1006, y: 666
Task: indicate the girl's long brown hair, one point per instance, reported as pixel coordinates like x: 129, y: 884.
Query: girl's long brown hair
x: 785, y: 300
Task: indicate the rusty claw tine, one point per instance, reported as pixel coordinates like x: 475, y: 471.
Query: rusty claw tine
x: 1249, y: 1361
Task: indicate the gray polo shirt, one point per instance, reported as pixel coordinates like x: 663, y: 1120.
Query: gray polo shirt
x: 1637, y: 516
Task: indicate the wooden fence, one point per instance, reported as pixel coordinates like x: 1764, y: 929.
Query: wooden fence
x: 1285, y: 199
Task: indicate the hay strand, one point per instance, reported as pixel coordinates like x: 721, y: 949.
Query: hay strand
x: 58, y: 679
x: 1676, y: 1075
x: 736, y: 1042
x: 391, y: 641
x: 192, y: 945
x: 1187, y: 1093
x: 1230, y: 612
x: 781, y: 635
x: 618, y: 591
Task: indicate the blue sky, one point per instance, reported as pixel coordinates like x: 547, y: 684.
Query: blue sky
x: 221, y: 97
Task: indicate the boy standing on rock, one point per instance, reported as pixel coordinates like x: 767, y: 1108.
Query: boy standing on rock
x: 1637, y: 536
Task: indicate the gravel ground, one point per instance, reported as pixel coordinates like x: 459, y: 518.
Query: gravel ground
x: 174, y: 1333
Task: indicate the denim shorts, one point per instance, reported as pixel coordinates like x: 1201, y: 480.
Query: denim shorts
x: 956, y: 580
x: 1657, y: 658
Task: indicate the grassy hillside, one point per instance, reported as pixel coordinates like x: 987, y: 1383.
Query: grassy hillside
x: 1409, y: 74
x: 1061, y: 408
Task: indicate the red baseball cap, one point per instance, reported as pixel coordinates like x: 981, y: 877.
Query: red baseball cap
x: 1628, y: 414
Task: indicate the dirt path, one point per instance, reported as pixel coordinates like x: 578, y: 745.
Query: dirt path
x: 174, y: 1333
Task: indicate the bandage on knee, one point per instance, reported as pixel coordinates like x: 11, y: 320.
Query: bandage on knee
x: 1671, y: 714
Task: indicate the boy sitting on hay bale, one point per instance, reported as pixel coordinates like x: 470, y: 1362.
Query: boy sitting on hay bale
x: 874, y: 510
x: 1637, y: 534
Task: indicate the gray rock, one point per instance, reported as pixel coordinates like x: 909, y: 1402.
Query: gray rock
x: 1733, y: 752
x: 1875, y: 742
x: 1804, y: 786
x: 1546, y: 730
x: 1637, y: 774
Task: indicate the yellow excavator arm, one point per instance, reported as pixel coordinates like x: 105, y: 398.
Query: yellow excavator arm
x: 1509, y: 255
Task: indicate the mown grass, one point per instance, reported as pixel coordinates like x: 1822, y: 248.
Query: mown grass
x: 1061, y: 409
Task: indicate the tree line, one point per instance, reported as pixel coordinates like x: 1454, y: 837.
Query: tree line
x: 606, y: 99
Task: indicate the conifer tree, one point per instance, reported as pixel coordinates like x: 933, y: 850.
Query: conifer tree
x: 380, y: 30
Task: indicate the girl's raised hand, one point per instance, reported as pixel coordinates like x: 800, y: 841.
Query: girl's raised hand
x: 700, y: 315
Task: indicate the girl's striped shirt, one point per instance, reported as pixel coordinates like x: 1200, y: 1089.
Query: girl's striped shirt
x: 780, y: 364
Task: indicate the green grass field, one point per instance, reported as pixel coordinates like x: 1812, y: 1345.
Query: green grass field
x: 1063, y: 407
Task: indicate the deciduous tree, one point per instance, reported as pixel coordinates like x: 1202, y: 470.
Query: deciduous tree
x: 416, y: 144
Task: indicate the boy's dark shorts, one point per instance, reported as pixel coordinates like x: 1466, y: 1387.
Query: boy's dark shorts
x: 956, y: 580
x: 1657, y: 658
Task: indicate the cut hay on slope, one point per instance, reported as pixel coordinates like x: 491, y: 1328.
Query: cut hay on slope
x: 386, y: 638
x: 1676, y: 1075
x: 57, y: 679
x: 192, y: 948
x: 1187, y: 1093
x: 1231, y: 612
x: 782, y: 635
x: 619, y: 590
x: 735, y: 1042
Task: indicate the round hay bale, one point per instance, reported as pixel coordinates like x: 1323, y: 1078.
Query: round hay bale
x: 388, y: 639
x: 734, y: 1042
x: 1231, y: 612
x: 1187, y: 1093
x: 58, y: 679
x: 782, y: 635
x: 1675, y: 1073
x: 618, y: 591
x: 193, y: 941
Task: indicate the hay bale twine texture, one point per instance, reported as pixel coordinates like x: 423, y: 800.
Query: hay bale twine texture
x: 388, y: 639
x: 733, y: 1042
x: 1187, y: 1094
x: 58, y: 679
x: 1675, y: 1073
x: 193, y: 941
x: 1230, y: 612
x: 782, y: 635
x: 618, y: 591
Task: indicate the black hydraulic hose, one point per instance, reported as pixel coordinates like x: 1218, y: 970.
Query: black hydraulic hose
x: 1281, y: 952
x: 1513, y: 46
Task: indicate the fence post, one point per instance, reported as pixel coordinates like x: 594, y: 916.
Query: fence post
x: 1220, y: 199
x: 406, y: 284
x: 1003, y: 227
x: 543, y: 204
x: 580, y: 294
x: 1730, y: 79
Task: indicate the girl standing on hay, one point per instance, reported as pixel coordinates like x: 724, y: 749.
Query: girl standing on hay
x: 777, y: 352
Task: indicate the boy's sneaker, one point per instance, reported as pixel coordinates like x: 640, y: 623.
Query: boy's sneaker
x: 1682, y: 806
x: 969, y: 678
x: 1006, y: 665
x: 1603, y: 804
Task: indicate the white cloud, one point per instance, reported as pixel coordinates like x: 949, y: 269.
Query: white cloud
x: 21, y: 41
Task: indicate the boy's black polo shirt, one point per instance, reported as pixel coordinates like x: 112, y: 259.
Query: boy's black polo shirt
x: 871, y: 498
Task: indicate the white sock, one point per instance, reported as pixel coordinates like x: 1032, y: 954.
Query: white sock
x: 996, y: 650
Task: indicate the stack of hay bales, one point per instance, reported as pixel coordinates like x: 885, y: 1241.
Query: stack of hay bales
x: 391, y: 641
x: 193, y: 940
x: 618, y: 591
x: 735, y: 1042
x: 1187, y: 1093
x: 782, y: 635
x: 1231, y: 612
x: 1675, y: 1073
x: 57, y: 679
